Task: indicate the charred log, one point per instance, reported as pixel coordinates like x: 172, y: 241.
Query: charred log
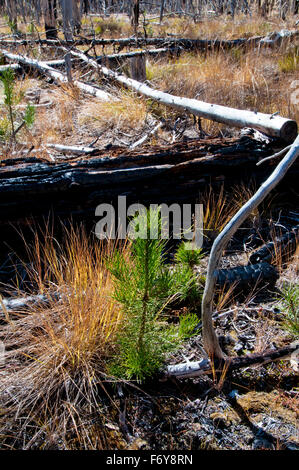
x: 284, y: 247
x: 247, y: 277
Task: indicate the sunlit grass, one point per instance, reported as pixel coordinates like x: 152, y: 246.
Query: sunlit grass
x: 62, y: 348
x: 129, y: 113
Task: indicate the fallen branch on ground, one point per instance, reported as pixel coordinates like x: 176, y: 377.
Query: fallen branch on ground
x: 57, y: 76
x: 210, y: 339
x: 203, y: 367
x: 147, y: 136
x: 278, y: 154
x: 73, y: 149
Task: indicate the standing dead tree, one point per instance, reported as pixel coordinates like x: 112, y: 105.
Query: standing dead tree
x: 72, y: 10
x: 50, y: 15
x: 135, y: 15
x: 210, y: 340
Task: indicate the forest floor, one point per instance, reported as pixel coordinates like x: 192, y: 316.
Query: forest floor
x: 254, y: 408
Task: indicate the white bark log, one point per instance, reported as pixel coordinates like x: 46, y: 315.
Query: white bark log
x: 210, y: 340
x: 146, y: 136
x: 50, y: 63
x: 57, y: 76
x: 11, y: 67
x: 129, y: 55
x: 74, y: 149
x: 204, y: 366
x: 273, y: 125
x: 19, y: 304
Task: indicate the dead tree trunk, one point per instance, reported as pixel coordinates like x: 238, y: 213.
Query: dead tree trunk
x: 162, y: 10
x: 68, y: 19
x: 135, y: 15
x: 57, y: 76
x: 11, y: 9
x: 210, y: 339
x: 50, y: 15
x: 275, y: 126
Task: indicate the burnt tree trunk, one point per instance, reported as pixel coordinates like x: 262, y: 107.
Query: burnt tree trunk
x: 51, y: 19
x: 135, y: 15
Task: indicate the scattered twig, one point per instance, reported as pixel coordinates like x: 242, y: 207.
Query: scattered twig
x: 278, y: 154
x: 147, y: 136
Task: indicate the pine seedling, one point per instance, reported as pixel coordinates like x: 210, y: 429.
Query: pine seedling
x: 289, y: 305
x: 8, y: 79
x: 188, y: 255
x: 145, y: 286
x: 11, y: 99
x: 29, y: 116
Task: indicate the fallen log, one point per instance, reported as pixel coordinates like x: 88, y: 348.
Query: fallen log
x: 3, y: 68
x: 73, y: 149
x: 181, y: 158
x: 185, y: 43
x: 198, y: 44
x: 282, y: 247
x: 176, y: 173
x: 277, y: 38
x: 57, y: 76
x: 18, y: 67
x: 20, y: 305
x: 273, y: 125
x: 204, y: 366
x: 103, y: 59
x: 247, y: 277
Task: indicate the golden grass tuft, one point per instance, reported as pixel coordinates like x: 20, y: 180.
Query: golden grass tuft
x: 218, y: 210
x: 59, y: 351
x: 127, y: 114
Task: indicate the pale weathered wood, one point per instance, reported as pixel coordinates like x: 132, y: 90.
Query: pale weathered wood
x: 146, y: 136
x: 18, y: 67
x: 273, y: 125
x: 73, y: 149
x: 128, y: 55
x: 17, y: 305
x: 57, y: 76
x: 210, y: 339
x: 191, y: 369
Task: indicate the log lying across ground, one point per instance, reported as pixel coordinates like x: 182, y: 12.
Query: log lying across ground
x: 176, y: 172
x: 73, y: 149
x: 247, y: 277
x: 272, y: 125
x: 189, y: 44
x: 204, y: 366
x: 282, y: 247
x: 112, y: 58
x: 18, y: 67
x: 57, y: 76
x: 12, y: 307
x: 198, y: 44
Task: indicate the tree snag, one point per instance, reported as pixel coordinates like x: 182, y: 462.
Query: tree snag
x: 210, y: 339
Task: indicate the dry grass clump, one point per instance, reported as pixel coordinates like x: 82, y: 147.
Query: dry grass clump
x: 127, y: 114
x: 56, y: 355
x: 58, y: 122
x: 217, y: 211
